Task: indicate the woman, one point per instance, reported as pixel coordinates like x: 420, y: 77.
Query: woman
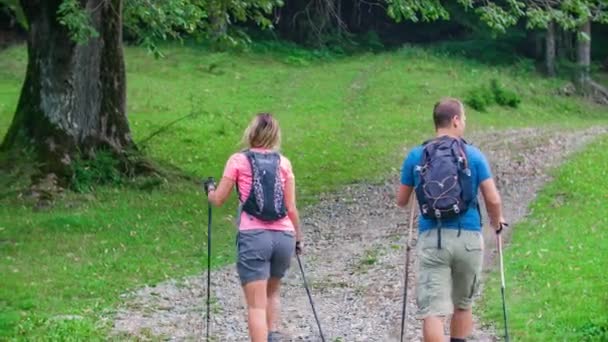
x: 268, y: 221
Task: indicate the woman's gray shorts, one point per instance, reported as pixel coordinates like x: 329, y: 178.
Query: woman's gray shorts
x: 264, y: 253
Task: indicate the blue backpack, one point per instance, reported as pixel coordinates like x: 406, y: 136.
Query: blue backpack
x: 445, y: 190
x: 266, y: 200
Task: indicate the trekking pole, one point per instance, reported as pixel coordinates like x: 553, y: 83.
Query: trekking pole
x: 502, y: 278
x: 310, y: 297
x: 210, y: 179
x: 208, y: 270
x: 407, y: 263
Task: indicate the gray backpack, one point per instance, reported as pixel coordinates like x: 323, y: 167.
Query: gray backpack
x: 445, y: 189
x: 266, y: 200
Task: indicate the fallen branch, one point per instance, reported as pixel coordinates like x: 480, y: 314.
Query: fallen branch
x: 599, y: 93
x: 145, y: 140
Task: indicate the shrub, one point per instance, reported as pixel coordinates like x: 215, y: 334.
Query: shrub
x: 480, y: 98
x: 504, y: 97
x: 102, y: 169
x: 370, y: 41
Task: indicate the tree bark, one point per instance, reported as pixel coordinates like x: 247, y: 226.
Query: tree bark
x: 73, y: 98
x: 583, y: 58
x: 570, y: 44
x: 217, y: 18
x: 564, y: 44
x: 539, y: 43
x: 550, y: 50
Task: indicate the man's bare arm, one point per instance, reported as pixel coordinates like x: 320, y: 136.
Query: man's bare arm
x: 403, y: 195
x: 493, y: 202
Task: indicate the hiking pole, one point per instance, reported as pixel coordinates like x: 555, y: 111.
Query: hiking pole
x: 407, y: 263
x: 209, y: 181
x: 502, y: 278
x: 310, y: 297
x: 208, y: 269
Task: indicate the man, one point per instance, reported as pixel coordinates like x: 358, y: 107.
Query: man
x: 450, y: 243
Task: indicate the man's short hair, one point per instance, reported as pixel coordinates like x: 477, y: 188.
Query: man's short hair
x: 445, y: 110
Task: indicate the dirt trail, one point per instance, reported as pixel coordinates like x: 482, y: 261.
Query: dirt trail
x: 354, y: 258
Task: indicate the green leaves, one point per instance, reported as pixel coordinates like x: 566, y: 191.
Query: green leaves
x: 162, y: 19
x: 538, y: 18
x: 219, y: 27
x: 498, y: 18
x: 77, y: 20
x: 211, y: 20
x: 500, y: 15
x: 569, y: 14
x: 416, y: 10
x: 14, y: 6
x: 152, y: 21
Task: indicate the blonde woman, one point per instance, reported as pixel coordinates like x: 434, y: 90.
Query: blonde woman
x: 268, y: 221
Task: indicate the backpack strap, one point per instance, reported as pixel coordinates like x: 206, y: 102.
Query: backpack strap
x: 246, y: 152
x: 474, y: 200
x: 239, y: 207
x: 427, y: 146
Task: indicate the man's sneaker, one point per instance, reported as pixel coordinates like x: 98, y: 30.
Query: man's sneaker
x: 274, y: 336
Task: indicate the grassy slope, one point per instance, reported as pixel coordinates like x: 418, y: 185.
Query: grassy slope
x: 343, y: 120
x: 556, y: 287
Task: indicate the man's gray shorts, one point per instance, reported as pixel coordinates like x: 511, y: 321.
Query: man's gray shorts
x: 264, y: 253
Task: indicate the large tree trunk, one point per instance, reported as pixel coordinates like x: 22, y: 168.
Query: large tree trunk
x: 550, y: 50
x: 218, y: 21
x: 583, y: 58
x: 73, y: 99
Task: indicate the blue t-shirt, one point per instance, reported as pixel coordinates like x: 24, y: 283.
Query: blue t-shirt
x: 480, y: 171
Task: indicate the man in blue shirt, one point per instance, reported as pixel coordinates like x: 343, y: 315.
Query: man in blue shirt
x: 449, y: 274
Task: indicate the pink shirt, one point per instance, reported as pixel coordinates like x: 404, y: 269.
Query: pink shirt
x: 238, y: 169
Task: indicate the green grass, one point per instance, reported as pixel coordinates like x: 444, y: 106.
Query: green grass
x: 557, y: 289
x: 344, y: 119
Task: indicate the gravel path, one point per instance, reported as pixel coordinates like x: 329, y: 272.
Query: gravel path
x: 355, y: 265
